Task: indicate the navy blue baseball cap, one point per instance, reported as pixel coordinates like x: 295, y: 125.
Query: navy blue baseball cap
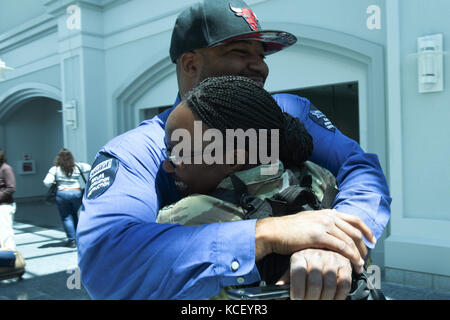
x: 214, y: 22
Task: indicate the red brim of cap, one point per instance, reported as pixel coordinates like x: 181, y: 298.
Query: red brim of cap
x: 274, y: 41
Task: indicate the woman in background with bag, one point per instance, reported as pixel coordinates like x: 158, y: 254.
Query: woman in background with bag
x: 66, y: 173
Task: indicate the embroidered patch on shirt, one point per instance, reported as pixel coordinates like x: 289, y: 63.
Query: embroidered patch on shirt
x: 101, y: 176
x: 318, y: 117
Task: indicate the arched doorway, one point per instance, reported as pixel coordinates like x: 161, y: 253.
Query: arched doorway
x: 31, y: 133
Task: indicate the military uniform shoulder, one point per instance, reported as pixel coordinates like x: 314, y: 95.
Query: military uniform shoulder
x: 199, y: 209
x: 321, y: 179
x: 318, y: 170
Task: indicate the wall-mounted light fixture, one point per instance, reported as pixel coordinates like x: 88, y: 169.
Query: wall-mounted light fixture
x: 3, y: 68
x: 70, y: 114
x: 430, y: 63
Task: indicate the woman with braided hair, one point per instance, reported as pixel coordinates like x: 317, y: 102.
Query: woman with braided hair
x: 230, y: 103
x: 234, y: 103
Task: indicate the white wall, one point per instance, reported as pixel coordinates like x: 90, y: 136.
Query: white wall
x: 47, y: 76
x: 420, y: 220
x: 16, y: 12
x: 346, y: 16
x: 425, y: 116
x: 29, y: 53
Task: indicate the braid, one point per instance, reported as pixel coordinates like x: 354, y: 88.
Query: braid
x: 234, y: 102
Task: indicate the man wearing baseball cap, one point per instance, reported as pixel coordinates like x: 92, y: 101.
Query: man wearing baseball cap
x: 124, y: 254
x: 218, y: 32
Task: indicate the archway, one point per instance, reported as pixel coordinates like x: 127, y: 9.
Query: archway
x: 137, y: 86
x: 31, y: 135
x: 23, y: 92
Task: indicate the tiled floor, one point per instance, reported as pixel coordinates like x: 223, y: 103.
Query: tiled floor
x: 51, y: 272
x: 50, y: 269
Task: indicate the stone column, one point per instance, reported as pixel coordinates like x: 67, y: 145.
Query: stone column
x: 87, y: 120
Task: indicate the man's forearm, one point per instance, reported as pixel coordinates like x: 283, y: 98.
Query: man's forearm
x: 363, y: 192
x: 262, y: 239
x: 167, y: 261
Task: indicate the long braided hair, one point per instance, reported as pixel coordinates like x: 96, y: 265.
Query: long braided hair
x: 235, y: 102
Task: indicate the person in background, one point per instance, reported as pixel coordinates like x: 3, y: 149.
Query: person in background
x: 7, y: 204
x: 66, y: 174
x: 11, y: 261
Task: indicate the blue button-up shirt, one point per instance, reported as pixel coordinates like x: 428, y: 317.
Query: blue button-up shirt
x: 125, y: 254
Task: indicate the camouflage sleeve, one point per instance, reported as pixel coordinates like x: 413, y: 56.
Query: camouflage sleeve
x: 321, y: 178
x: 200, y: 209
x: 203, y: 209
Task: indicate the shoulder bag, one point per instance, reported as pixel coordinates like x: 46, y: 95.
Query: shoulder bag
x: 84, y: 179
x: 50, y: 197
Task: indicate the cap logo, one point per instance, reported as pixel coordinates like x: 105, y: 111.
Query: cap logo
x: 248, y: 15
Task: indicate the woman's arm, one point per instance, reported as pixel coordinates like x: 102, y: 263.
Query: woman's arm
x: 50, y: 177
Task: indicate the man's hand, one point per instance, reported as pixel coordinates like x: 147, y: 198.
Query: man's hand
x: 358, y: 232
x: 318, y: 274
x: 323, y: 229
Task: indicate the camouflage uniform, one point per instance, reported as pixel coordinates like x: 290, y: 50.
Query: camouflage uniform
x: 200, y: 209
x: 321, y: 178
